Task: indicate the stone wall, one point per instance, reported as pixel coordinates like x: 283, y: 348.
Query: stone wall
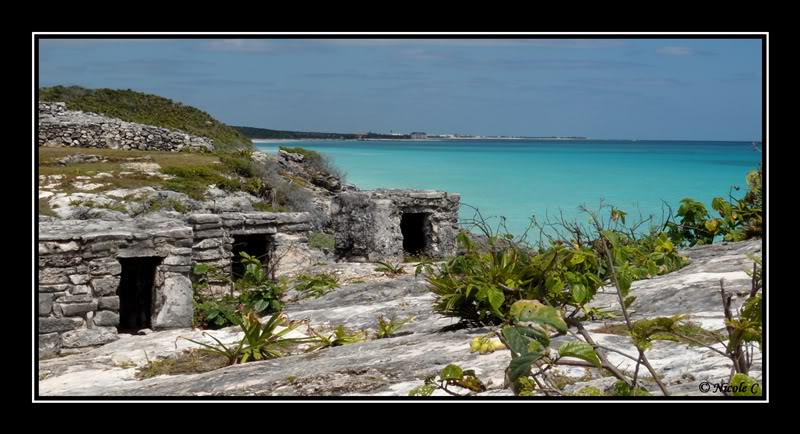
x: 61, y: 127
x: 79, y: 273
x: 81, y: 265
x: 285, y: 233
x: 368, y: 223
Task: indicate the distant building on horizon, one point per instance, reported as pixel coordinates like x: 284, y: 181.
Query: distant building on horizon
x: 418, y: 135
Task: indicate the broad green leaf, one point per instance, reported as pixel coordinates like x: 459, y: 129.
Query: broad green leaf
x: 452, y: 372
x: 496, y: 298
x: 532, y: 310
x: 576, y: 259
x: 519, y: 338
x: 553, y: 284
x: 521, y: 366
x: 652, y: 268
x: 613, y: 237
x: 579, y: 292
x: 745, y: 386
x: 580, y: 350
x: 624, y: 284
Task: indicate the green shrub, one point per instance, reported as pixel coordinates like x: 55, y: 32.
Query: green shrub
x: 739, y: 219
x: 316, y: 160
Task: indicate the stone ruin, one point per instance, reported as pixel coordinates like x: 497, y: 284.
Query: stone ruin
x: 61, y: 127
x: 389, y: 225
x: 279, y: 239
x: 100, y: 278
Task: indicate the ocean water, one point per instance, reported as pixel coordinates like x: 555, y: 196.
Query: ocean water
x: 517, y: 179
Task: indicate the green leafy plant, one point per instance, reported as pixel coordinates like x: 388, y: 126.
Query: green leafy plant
x: 389, y: 269
x: 387, y: 328
x: 260, y: 341
x: 256, y: 294
x: 449, y: 377
x: 739, y: 219
x: 341, y: 336
x: 316, y: 285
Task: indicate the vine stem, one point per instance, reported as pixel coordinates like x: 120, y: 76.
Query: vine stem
x: 643, y: 357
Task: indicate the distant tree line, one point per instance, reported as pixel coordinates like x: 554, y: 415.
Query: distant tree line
x: 264, y: 133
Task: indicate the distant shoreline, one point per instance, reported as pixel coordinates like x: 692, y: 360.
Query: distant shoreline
x: 436, y: 139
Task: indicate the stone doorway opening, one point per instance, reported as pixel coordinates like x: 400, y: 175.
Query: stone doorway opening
x: 257, y: 245
x: 136, y: 293
x: 413, y: 228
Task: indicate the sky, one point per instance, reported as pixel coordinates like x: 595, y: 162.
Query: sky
x: 674, y: 89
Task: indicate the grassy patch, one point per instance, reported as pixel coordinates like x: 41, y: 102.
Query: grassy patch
x: 191, y: 173
x: 321, y: 241
x: 188, y: 362
x: 146, y: 109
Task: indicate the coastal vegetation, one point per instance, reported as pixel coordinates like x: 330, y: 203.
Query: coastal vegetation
x: 316, y: 160
x: 530, y: 295
x: 264, y: 133
x: 144, y: 108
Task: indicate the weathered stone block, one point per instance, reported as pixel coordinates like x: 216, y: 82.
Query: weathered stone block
x: 49, y: 345
x: 49, y: 325
x: 105, y: 286
x: 108, y: 303
x: 45, y: 304
x: 55, y: 247
x: 89, y: 337
x: 54, y: 275
x: 54, y: 288
x: 178, y: 260
x: 77, y: 308
x: 79, y: 279
x: 208, y: 243
x: 175, y: 306
x: 79, y: 298
x: 107, y: 236
x: 105, y: 266
x: 81, y: 289
x: 203, y: 218
x: 106, y: 318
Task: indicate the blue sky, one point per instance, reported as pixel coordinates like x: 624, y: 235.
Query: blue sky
x: 702, y: 89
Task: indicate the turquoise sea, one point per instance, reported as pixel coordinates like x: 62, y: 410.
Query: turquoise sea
x: 520, y: 178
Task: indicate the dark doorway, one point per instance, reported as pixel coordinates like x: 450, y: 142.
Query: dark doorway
x: 136, y: 293
x: 412, y: 226
x: 253, y: 245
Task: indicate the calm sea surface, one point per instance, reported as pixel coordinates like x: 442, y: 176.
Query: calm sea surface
x: 520, y: 178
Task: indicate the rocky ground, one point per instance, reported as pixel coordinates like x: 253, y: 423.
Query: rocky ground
x: 393, y: 366
x: 98, y: 184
